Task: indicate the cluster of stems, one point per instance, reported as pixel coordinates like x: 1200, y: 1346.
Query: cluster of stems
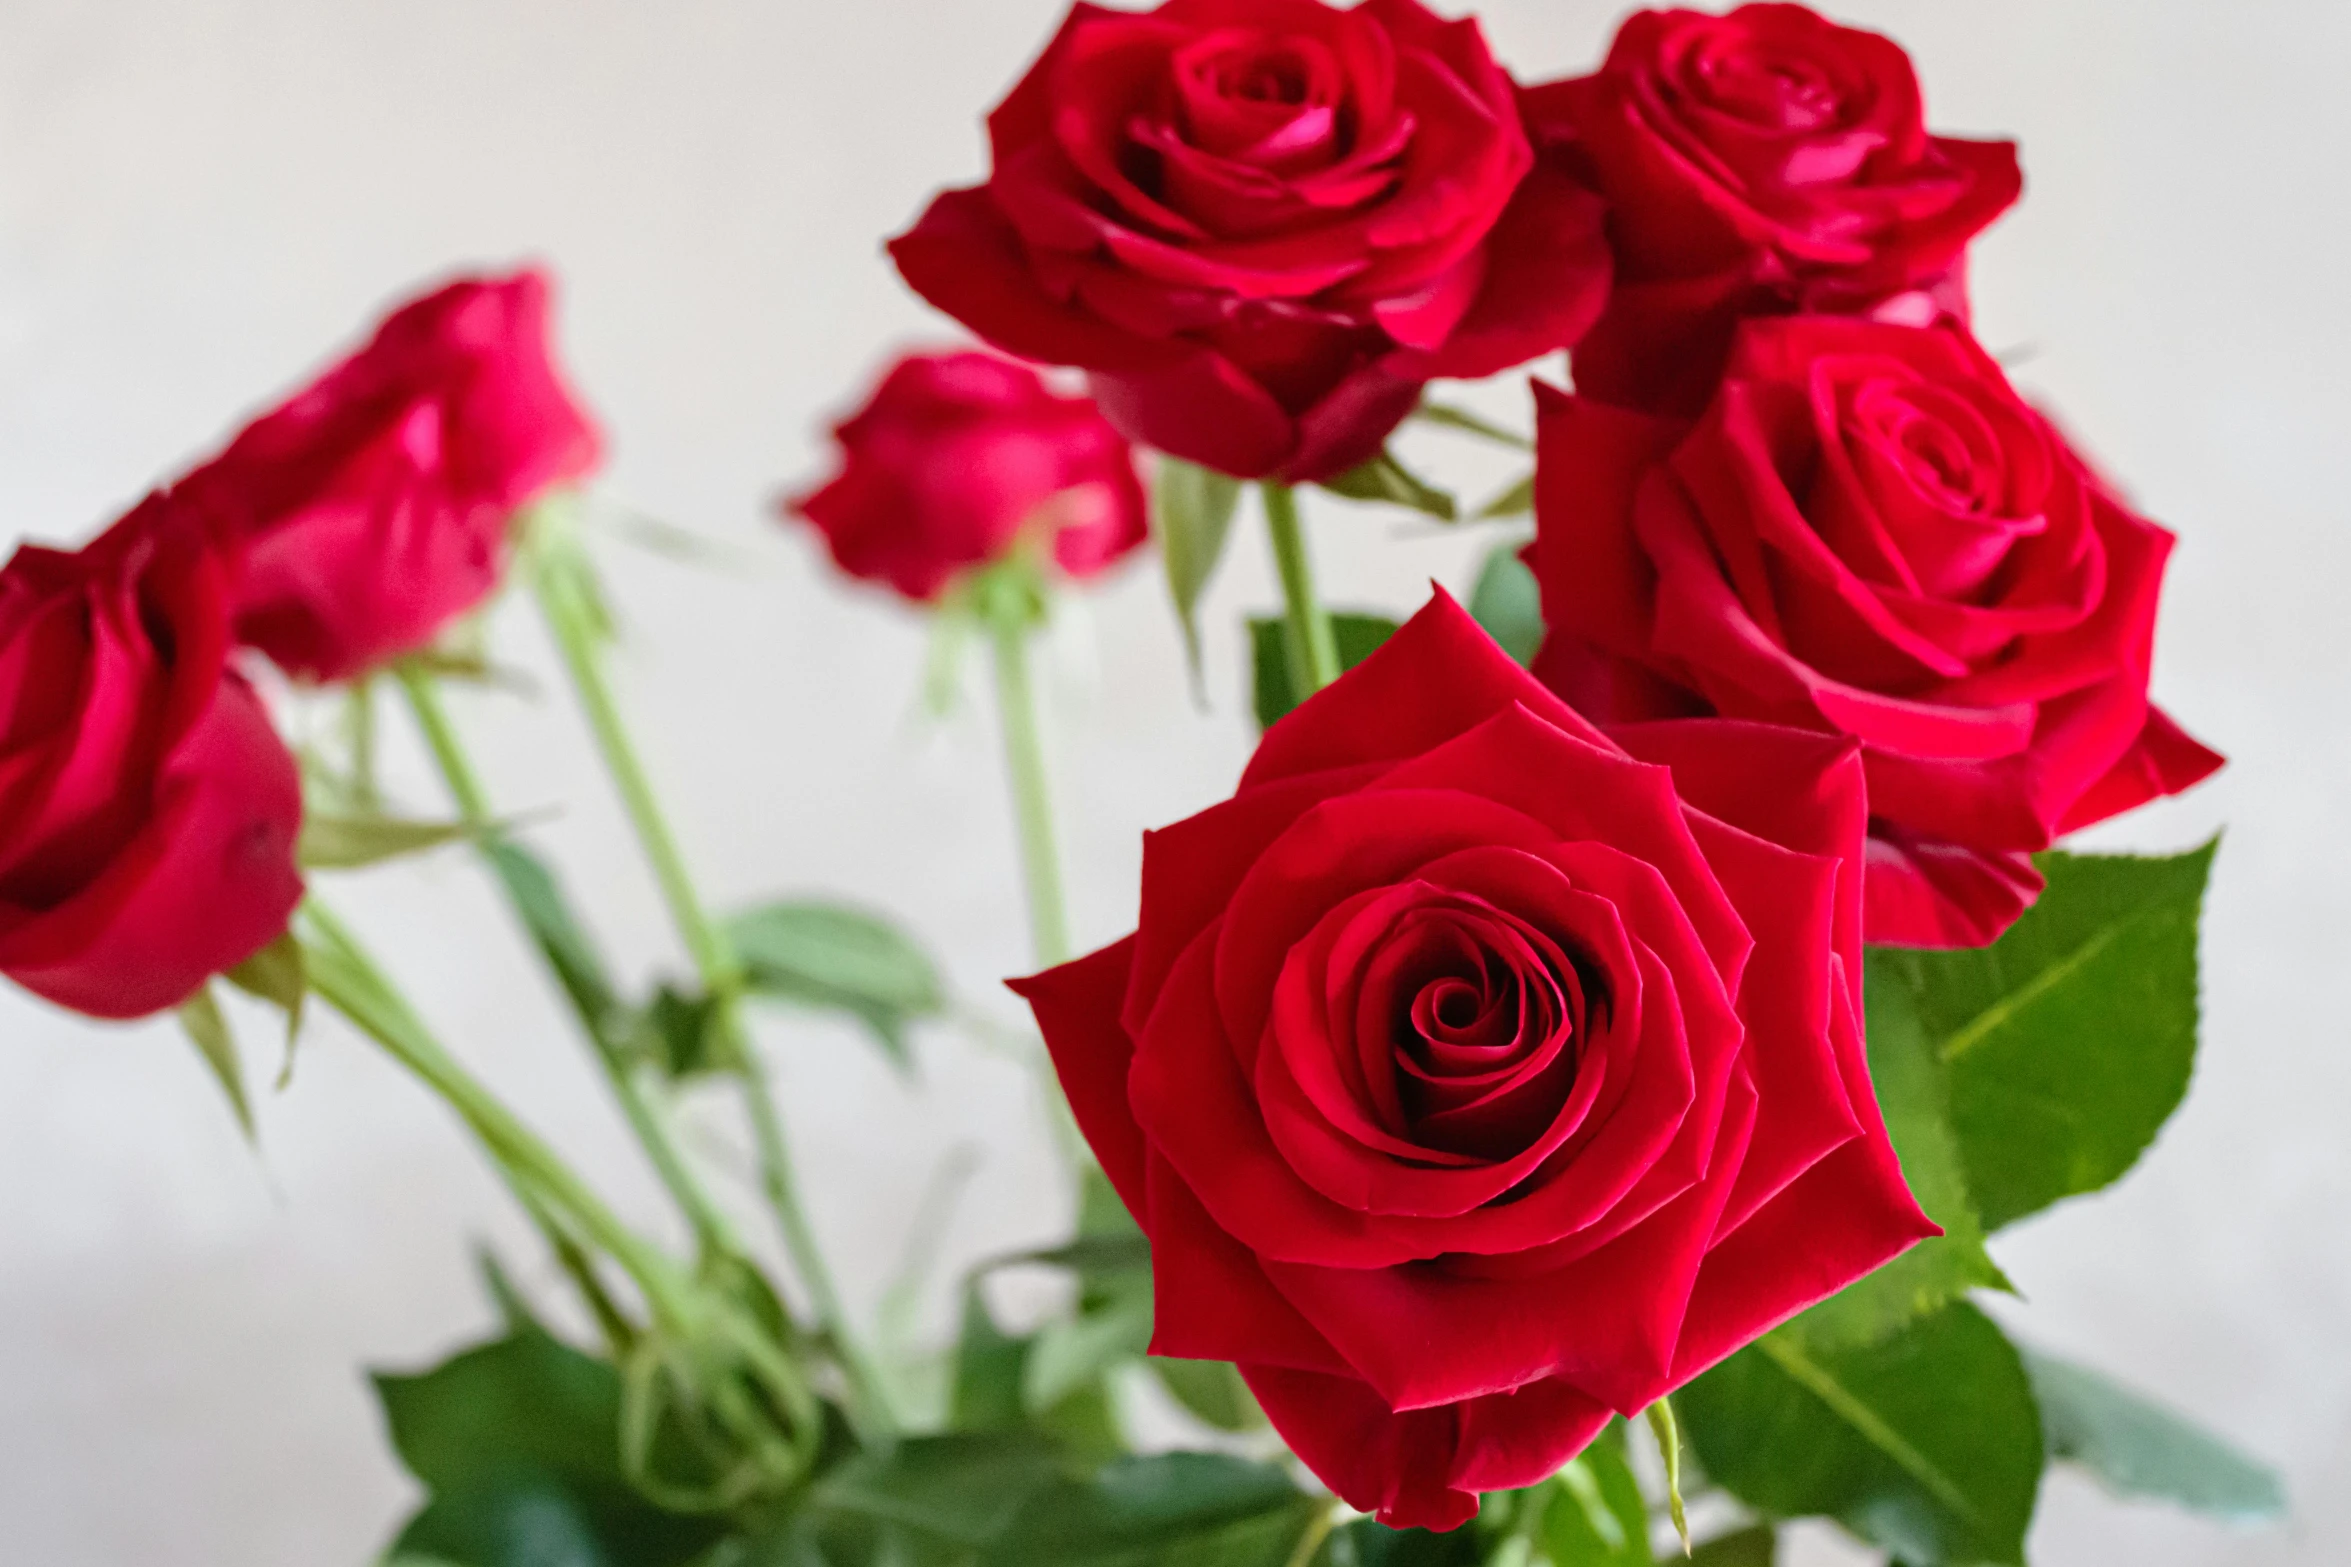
x: 700, y: 1339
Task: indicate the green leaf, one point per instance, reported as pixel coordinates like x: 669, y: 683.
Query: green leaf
x: 1755, y: 1547
x: 1599, y: 1518
x: 518, y: 1442
x: 1912, y: 1094
x: 341, y: 843
x: 1074, y: 1352
x: 1927, y: 1445
x: 963, y: 1488
x: 201, y: 1020
x: 1516, y: 501
x: 828, y: 955
x: 1383, y: 478
x: 1167, y: 1510
x: 1462, y: 419
x: 1192, y: 512
x: 1212, y: 1390
x: 1508, y: 604
x: 989, y: 1364
x: 2069, y: 1042
x: 539, y: 900
x: 2137, y: 1447
x: 1358, y: 636
x: 276, y: 974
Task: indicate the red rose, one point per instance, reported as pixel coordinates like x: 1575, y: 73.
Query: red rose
x: 1475, y: 1078
x: 1760, y: 163
x: 1262, y: 224
x: 371, y: 509
x: 954, y: 457
x: 1869, y: 534
x: 147, y: 808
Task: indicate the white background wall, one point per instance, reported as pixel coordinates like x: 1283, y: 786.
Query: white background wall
x: 200, y: 198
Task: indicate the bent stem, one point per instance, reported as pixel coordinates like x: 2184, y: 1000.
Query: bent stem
x: 711, y: 1230
x: 1024, y: 757
x: 563, y: 580
x: 1306, y: 628
x: 340, y: 970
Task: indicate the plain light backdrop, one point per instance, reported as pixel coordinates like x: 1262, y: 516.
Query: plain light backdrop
x: 202, y: 199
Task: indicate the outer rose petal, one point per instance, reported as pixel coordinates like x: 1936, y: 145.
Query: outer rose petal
x: 1380, y: 1462
x: 1438, y: 677
x: 1927, y: 894
x: 210, y: 882
x: 964, y: 258
x: 2165, y: 759
x: 1547, y: 271
x: 1077, y: 1008
x: 1846, y: 1216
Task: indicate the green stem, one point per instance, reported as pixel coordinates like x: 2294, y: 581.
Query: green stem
x: 561, y: 576
x: 342, y: 973
x: 711, y: 1230
x: 1024, y: 756
x: 1318, y: 1530
x: 1306, y: 632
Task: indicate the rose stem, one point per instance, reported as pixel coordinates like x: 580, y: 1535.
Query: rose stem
x: 340, y: 971
x: 562, y: 578
x: 1306, y: 633
x: 711, y: 1230
x: 1024, y: 756
x: 1318, y: 1529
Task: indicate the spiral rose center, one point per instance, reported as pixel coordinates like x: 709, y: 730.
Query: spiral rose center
x: 1769, y: 89
x: 1485, y: 1031
x: 1954, y: 481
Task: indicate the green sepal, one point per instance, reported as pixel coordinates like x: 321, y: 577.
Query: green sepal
x: 1384, y: 479
x: 276, y: 974
x: 844, y: 959
x: 1192, y: 515
x: 208, y: 1030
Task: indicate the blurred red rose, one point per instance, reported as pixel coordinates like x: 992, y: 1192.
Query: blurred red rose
x: 1262, y: 224
x: 147, y: 808
x: 371, y: 509
x: 1476, y: 1076
x: 1868, y: 533
x: 1760, y: 163
x: 957, y: 455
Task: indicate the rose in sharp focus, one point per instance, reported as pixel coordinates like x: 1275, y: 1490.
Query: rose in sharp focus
x: 1476, y: 1076
x: 956, y: 457
x: 1759, y: 163
x: 147, y: 808
x: 1869, y: 534
x: 1261, y: 225
x: 372, y: 508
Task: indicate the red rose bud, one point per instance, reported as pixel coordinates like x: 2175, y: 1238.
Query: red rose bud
x: 1477, y: 1076
x: 955, y: 458
x: 371, y: 509
x: 1869, y: 534
x: 147, y: 808
x: 1261, y: 225
x: 1760, y: 163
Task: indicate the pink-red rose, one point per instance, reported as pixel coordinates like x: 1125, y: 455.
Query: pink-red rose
x: 147, y: 808
x: 1262, y: 224
x: 955, y: 458
x: 1869, y: 534
x: 1759, y: 163
x: 371, y: 509
x: 1476, y: 1076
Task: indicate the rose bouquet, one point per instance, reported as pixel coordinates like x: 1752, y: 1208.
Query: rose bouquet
x: 1553, y: 1111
